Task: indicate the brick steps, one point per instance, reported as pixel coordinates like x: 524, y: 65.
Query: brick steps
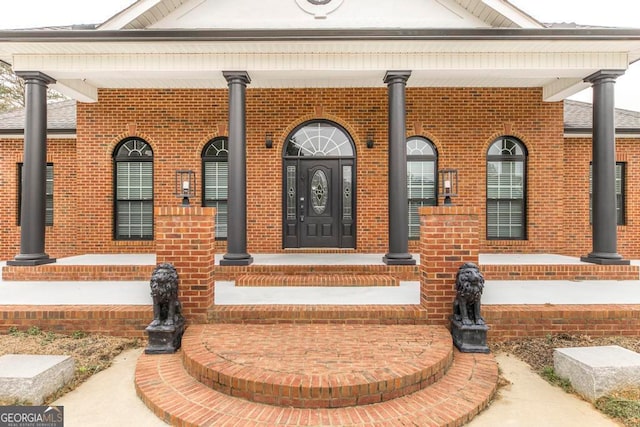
x: 327, y: 366
x: 70, y: 273
x: 400, y: 272
x: 576, y: 272
x: 305, y: 314
x: 167, y: 388
x: 316, y: 280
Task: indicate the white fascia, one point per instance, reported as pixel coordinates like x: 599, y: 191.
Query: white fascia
x: 77, y: 89
x: 128, y: 15
x: 513, y: 13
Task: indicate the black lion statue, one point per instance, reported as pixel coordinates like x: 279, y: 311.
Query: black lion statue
x: 469, y: 285
x: 167, y: 310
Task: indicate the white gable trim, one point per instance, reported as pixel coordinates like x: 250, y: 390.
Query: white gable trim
x: 128, y: 15
x: 512, y: 13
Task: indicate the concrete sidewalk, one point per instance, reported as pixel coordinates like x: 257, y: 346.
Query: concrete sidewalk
x: 109, y: 399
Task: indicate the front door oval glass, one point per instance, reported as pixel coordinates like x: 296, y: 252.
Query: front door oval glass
x: 319, y: 192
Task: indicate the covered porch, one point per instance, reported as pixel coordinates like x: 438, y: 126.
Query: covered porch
x: 462, y: 61
x: 510, y: 279
x: 530, y: 279
x: 524, y: 295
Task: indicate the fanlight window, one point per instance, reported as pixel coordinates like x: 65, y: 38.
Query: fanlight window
x: 319, y: 139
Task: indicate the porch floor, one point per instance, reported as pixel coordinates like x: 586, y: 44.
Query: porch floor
x: 498, y: 292
x: 322, y: 259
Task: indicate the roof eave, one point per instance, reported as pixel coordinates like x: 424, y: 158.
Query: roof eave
x: 501, y: 34
x: 587, y: 131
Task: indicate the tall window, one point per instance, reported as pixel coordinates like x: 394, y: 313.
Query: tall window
x: 133, y: 165
x: 620, y: 193
x: 506, y: 189
x: 215, y: 170
x: 422, y: 160
x: 49, y: 189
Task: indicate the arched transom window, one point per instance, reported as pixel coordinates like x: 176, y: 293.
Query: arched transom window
x: 506, y: 189
x: 133, y: 207
x: 319, y: 139
x: 215, y: 172
x: 422, y: 166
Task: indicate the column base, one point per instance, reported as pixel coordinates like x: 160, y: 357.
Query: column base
x: 30, y: 260
x: 605, y: 259
x: 236, y: 259
x: 398, y: 259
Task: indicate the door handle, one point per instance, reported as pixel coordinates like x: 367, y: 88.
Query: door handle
x: 301, y: 209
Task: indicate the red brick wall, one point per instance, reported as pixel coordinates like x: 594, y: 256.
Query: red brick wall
x: 577, y: 156
x: 178, y: 123
x: 448, y: 239
x: 185, y: 238
x: 521, y: 321
x: 122, y: 320
x: 61, y: 237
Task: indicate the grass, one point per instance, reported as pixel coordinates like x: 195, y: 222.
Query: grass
x: 622, y: 405
x: 549, y: 374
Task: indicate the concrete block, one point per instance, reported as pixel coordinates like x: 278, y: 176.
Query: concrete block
x: 31, y: 378
x: 596, y: 371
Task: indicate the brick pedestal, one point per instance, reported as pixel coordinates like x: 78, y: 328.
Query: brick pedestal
x: 448, y: 238
x: 185, y: 237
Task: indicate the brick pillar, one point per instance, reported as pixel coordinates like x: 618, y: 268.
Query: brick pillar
x: 448, y: 238
x: 185, y: 237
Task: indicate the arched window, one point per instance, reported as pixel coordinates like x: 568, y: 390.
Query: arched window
x: 422, y: 166
x: 319, y: 138
x: 506, y: 189
x: 133, y: 169
x: 215, y: 172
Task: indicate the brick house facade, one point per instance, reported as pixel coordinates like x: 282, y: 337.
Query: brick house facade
x: 176, y: 115
x: 454, y: 119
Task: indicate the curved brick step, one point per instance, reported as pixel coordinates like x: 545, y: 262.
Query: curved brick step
x: 302, y: 314
x: 317, y: 366
x: 176, y: 397
x: 317, y: 279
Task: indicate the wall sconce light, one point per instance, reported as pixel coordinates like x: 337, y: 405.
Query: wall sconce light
x: 268, y: 140
x: 448, y: 184
x: 370, y: 141
x: 185, y: 185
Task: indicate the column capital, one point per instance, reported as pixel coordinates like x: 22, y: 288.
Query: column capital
x: 237, y: 77
x: 396, y: 76
x: 602, y: 76
x: 35, y: 75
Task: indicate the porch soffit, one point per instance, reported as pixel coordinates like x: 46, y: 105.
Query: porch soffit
x: 555, y: 61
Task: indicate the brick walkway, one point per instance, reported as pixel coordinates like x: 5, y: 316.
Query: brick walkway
x: 296, y: 375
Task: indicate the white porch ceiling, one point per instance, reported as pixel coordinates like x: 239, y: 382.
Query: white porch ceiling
x: 558, y: 66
